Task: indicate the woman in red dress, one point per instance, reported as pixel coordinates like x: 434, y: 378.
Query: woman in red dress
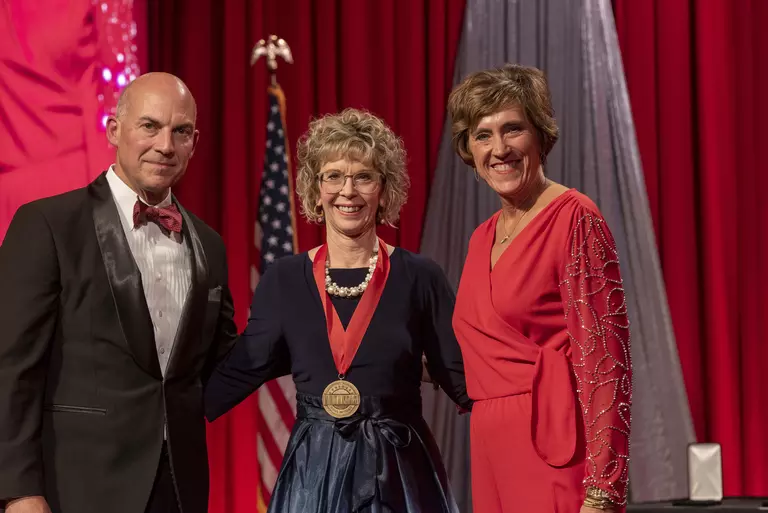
x: 540, y: 316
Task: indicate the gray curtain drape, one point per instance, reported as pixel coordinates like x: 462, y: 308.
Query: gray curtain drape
x: 575, y: 43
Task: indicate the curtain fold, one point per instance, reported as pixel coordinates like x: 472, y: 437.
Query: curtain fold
x: 694, y: 77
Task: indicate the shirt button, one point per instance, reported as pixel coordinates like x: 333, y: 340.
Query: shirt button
x: 160, y: 313
x: 158, y: 276
x: 162, y: 350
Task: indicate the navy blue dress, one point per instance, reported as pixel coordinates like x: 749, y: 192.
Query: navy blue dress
x: 383, y: 458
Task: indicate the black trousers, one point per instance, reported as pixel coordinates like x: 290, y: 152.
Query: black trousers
x: 163, y: 497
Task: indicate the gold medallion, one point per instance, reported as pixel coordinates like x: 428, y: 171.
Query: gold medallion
x: 341, y: 399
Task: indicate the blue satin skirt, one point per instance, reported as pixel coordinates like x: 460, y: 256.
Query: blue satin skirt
x: 383, y: 459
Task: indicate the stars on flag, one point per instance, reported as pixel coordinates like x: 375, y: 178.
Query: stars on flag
x: 274, y: 196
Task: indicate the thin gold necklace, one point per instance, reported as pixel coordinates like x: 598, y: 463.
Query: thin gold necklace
x: 504, y: 225
x: 504, y: 217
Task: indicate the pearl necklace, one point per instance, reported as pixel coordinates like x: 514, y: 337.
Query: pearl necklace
x: 335, y: 290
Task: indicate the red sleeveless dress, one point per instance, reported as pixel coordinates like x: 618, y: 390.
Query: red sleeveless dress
x: 545, y: 339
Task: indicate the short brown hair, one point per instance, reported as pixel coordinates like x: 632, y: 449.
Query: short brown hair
x: 486, y: 92
x: 359, y: 136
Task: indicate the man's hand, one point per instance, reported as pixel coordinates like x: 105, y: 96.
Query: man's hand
x: 34, y: 504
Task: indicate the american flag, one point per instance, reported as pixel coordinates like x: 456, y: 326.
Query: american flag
x: 274, y: 237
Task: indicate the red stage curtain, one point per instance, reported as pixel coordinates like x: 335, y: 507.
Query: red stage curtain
x: 697, y: 86
x: 393, y: 58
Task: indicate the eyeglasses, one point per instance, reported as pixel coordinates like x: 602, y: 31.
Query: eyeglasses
x: 365, y: 182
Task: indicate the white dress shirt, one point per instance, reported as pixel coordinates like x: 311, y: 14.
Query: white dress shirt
x: 165, y: 265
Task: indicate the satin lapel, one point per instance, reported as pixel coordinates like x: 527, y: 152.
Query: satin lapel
x: 124, y: 278
x: 192, y: 315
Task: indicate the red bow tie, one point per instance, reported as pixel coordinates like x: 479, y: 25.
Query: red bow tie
x: 166, y: 217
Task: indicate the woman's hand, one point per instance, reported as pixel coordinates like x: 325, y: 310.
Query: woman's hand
x: 425, y: 377
x: 587, y: 509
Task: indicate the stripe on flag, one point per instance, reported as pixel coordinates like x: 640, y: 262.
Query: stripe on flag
x: 274, y: 237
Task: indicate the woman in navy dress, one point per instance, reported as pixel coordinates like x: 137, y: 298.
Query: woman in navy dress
x: 350, y: 321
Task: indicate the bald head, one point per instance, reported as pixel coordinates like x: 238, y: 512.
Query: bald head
x: 160, y: 84
x: 154, y: 133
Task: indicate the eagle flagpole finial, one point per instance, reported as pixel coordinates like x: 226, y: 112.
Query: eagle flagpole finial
x: 272, y: 48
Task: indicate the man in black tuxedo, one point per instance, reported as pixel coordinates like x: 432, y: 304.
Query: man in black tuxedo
x: 114, y: 307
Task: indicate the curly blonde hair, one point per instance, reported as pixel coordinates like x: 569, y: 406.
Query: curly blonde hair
x: 486, y: 92
x: 358, y: 136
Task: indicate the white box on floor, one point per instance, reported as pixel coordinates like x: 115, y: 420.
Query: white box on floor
x: 705, y: 472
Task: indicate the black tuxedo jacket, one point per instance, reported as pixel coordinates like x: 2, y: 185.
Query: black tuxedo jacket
x: 82, y: 399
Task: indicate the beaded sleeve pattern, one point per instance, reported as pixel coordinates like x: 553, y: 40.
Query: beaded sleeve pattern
x: 598, y: 327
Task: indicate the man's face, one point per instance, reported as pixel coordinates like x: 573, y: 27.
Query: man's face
x: 155, y: 137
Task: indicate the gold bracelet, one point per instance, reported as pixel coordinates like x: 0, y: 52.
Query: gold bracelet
x: 598, y: 499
